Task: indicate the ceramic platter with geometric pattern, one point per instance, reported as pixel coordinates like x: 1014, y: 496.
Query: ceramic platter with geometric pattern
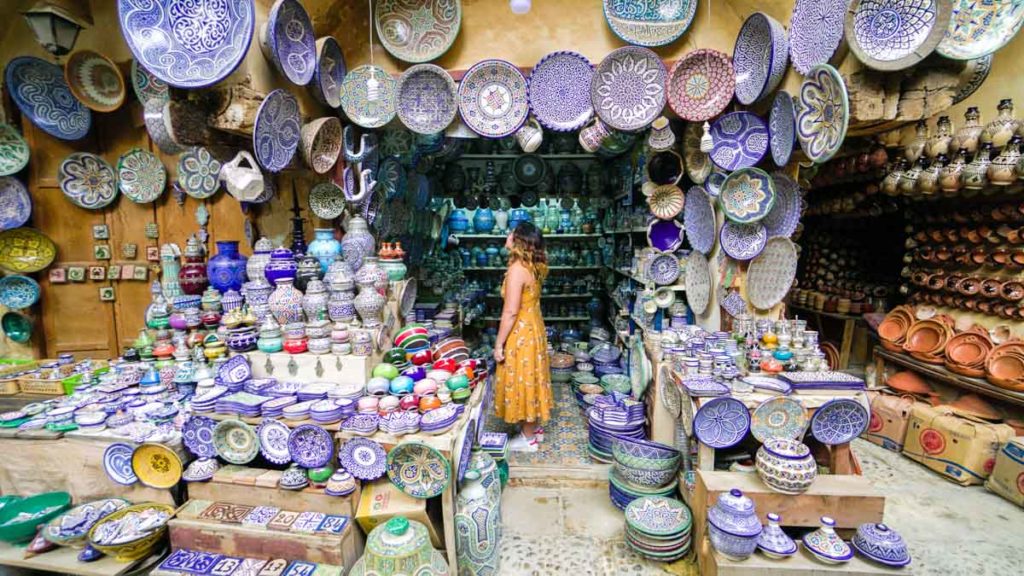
x: 698, y: 282
x: 771, y: 274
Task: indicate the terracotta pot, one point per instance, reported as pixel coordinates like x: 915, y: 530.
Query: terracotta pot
x: 910, y: 382
x: 969, y: 286
x: 926, y: 336
x: 968, y: 349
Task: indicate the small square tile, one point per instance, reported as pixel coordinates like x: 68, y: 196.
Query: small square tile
x: 141, y: 273
x: 153, y: 253
x: 97, y: 273
x: 100, y: 231
x: 76, y: 273
x: 226, y: 566
x: 333, y: 524
x: 114, y: 272
x: 275, y: 567
x: 101, y: 251
x: 190, y: 561
x: 129, y: 250
x: 227, y: 513
x: 300, y: 568
x: 58, y: 275
x: 107, y: 294
x: 260, y: 516
x: 308, y: 522
x: 250, y: 567
x: 283, y: 521
x: 127, y: 271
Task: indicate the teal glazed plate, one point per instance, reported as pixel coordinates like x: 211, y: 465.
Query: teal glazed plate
x: 649, y: 23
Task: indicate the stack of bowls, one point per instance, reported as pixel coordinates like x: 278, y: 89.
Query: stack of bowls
x: 645, y: 464
x: 966, y: 352
x: 622, y: 493
x: 926, y: 340
x: 616, y: 383
x: 562, y: 367
x: 1004, y: 366
x: 605, y: 425
x: 893, y: 329
x: 658, y: 528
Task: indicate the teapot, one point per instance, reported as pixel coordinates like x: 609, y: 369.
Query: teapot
x: 244, y: 182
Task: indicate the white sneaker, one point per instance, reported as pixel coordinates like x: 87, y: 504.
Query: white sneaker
x: 522, y: 444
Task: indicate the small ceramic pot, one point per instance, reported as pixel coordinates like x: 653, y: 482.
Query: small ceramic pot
x: 786, y: 466
x: 733, y: 525
x: 530, y: 136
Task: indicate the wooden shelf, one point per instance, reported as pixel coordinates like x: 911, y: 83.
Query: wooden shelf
x: 512, y: 157
x: 546, y: 236
x: 627, y: 231
x: 550, y: 268
x: 65, y: 561
x: 835, y: 315
x: 942, y: 375
x: 712, y: 563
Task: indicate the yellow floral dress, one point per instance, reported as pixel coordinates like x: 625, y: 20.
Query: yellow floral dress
x: 523, y: 390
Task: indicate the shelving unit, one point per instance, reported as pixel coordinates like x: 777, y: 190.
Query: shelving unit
x: 546, y: 318
x: 546, y: 236
x: 942, y: 375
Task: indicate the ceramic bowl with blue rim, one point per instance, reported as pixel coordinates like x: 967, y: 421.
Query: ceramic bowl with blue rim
x: 286, y: 39
x: 329, y: 73
x: 277, y: 130
x: 15, y: 203
x: 652, y: 23
x: 39, y: 90
x: 759, y: 57
x: 14, y: 150
x: 18, y: 291
x: 87, y: 180
x: 426, y: 99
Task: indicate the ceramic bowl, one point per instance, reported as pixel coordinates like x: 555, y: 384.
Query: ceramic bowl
x: 321, y: 143
x: 644, y: 477
x: 12, y: 530
x: 760, y: 57
x: 133, y: 549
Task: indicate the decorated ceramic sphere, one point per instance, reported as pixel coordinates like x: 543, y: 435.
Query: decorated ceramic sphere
x: 439, y: 375
x: 378, y: 385
x: 320, y: 475
x: 396, y: 356
x: 408, y: 402
x: 446, y: 364
x: 421, y: 357
x: 417, y: 373
x: 387, y: 404
x: 385, y: 370
x: 401, y: 385
x: 425, y: 387
x: 367, y: 405
x: 428, y: 403
x: 457, y: 382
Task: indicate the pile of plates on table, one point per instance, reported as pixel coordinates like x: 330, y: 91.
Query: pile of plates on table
x: 298, y: 411
x: 206, y: 400
x: 314, y: 391
x: 275, y: 408
x: 623, y: 493
x: 284, y: 389
x: 607, y: 423
x: 241, y: 403
x: 440, y: 420
x: 329, y: 412
x: 260, y: 385
x: 658, y: 528
x: 400, y: 422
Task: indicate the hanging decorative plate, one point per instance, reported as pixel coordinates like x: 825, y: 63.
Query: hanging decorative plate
x: 393, y: 180
x: 698, y: 282
x: 740, y: 140
x: 628, y: 88
x: 310, y: 446
x: 784, y: 216
x: 199, y: 173
x: 895, y: 34
x: 418, y: 470
x: 771, y: 274
x: 154, y: 117
x: 815, y: 31
x: 823, y: 115
x: 666, y: 202
x: 156, y: 466
x: 356, y: 103
x: 235, y: 441
x: 699, y: 220
x: 639, y: 366
x: 147, y: 86
x: 329, y: 72
x: 141, y: 176
x: 39, y: 90
x: 14, y: 151
x: 713, y: 185
x: 977, y: 28
x: 87, y: 180
x: 743, y: 241
x: 418, y: 30
x: 701, y: 85
x: 326, y: 200
x: 721, y: 422
x: 665, y: 296
x: 188, y: 44
x: 493, y: 98
x: 396, y: 140
x: 760, y: 57
x: 839, y: 421
x: 95, y: 80
x: 529, y: 169
x: 25, y: 250
x: 665, y: 235
x: 747, y: 195
x: 363, y: 458
x: 559, y: 91
x: 17, y: 291
x: 698, y: 163
x: 277, y: 130
x: 197, y: 435
x: 782, y: 128
x: 671, y: 397
x: 780, y: 417
x: 664, y: 269
x: 972, y: 76
x: 426, y: 99
x: 652, y: 23
x: 286, y: 39
x: 15, y: 203
x: 117, y: 463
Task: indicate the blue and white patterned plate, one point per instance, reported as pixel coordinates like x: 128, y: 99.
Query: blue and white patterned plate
x: 87, y: 180
x: 310, y: 446
x: 977, y: 29
x: 363, y: 458
x: 839, y: 421
x: 699, y: 220
x: 276, y: 134
x: 782, y: 128
x: 426, y: 99
x: 895, y: 34
x: 740, y: 140
x: 273, y: 437
x: 747, y: 195
x: 141, y: 176
x: 188, y: 43
x: 743, y: 241
x: 815, y: 31
x: 628, y: 88
x: 39, y: 90
x: 664, y: 269
x: 199, y: 173
x: 418, y: 30
x: 330, y: 72
x: 493, y: 99
x: 117, y: 463
x: 15, y: 203
x: 760, y: 57
x: 784, y: 216
x: 286, y: 39
x: 14, y: 151
x: 17, y: 291
x: 823, y: 115
x: 356, y: 101
x: 721, y: 422
x: 559, y: 91
x: 650, y: 23
x: 197, y: 435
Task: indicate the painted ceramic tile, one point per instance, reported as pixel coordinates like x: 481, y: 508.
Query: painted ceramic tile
x: 308, y: 522
x: 225, y: 512
x: 153, y: 253
x: 127, y: 272
x: 113, y: 272
x: 283, y: 521
x: 333, y: 524
x: 97, y: 273
x: 300, y: 568
x: 260, y: 516
x: 250, y: 567
x: 141, y: 273
x: 100, y: 231
x: 190, y: 561
x: 226, y: 566
x: 275, y: 567
x: 101, y: 251
x: 107, y: 294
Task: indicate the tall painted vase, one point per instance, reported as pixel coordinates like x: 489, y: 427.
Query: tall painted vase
x: 324, y: 248
x: 286, y: 302
x: 357, y: 243
x: 226, y: 270
x: 477, y: 528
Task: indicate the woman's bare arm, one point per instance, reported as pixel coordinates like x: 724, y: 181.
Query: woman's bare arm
x: 518, y: 277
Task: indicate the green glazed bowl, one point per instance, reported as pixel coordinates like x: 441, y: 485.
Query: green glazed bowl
x: 19, y: 520
x: 17, y: 327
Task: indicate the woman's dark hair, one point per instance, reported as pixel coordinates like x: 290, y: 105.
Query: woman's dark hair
x: 528, y: 249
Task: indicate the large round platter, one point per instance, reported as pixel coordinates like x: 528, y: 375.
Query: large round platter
x: 15, y: 203
x: 740, y: 140
x: 972, y: 76
x: 418, y: 470
x: 782, y: 128
x: 839, y: 421
x: 326, y: 200
x: 652, y: 23
x: 721, y: 422
x: 356, y: 103
x: 815, y: 31
x: 771, y: 274
x: 493, y: 98
x: 664, y: 269
x: 199, y: 173
x: 743, y: 241
x: 698, y: 163
x: 895, y: 34
x: 197, y: 435
x: 426, y: 99
x: 117, y: 463
x: 780, y: 417
x: 147, y: 86
x: 287, y: 41
x: 823, y: 114
x: 141, y: 176
x: 760, y: 57
x: 418, y: 30
x: 699, y: 220
x: 156, y: 466
x: 39, y: 90
x: 559, y: 91
x: 87, y: 180
x: 698, y: 282
x: 71, y: 528
x: 188, y: 44
x: 628, y: 88
x: 25, y: 250
x: 17, y: 291
x: 784, y: 216
x: 363, y: 458
x: 276, y: 133
x: 666, y: 201
x: 330, y: 72
x: 310, y: 446
x: 235, y: 441
x: 701, y: 84
x: 665, y: 235
x: 977, y: 28
x: 747, y: 195
x: 95, y: 80
x: 658, y: 516
x: 14, y: 151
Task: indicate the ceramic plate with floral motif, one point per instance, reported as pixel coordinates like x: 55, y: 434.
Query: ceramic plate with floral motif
x: 839, y: 421
x: 699, y: 220
x: 310, y: 446
x: 418, y: 470
x: 156, y: 466
x: 823, y: 115
x: 330, y: 72
x: 493, y: 98
x: 665, y: 235
x: 628, y: 88
x: 87, y: 180
x: 39, y: 90
x: 747, y: 195
x: 287, y: 41
x: 698, y: 282
x: 199, y: 173
x: 760, y: 57
x: 782, y: 128
x: 418, y: 30
x: 26, y: 250
x: 780, y: 417
x: 276, y: 132
x: 17, y: 291
x: 426, y: 99
x: 141, y: 176
x: 743, y: 241
x: 721, y: 422
x: 701, y: 85
x: 235, y: 441
x: 651, y: 23
x: 771, y: 274
x: 356, y: 99
x: 666, y: 202
x: 197, y: 435
x: 559, y: 91
x: 95, y: 80
x: 784, y: 216
x: 895, y: 34
x: 815, y: 31
x: 147, y: 86
x: 977, y: 28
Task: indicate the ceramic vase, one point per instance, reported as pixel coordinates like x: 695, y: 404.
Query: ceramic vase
x: 286, y: 302
x: 257, y: 292
x: 501, y: 220
x: 339, y: 271
x: 939, y: 143
x: 281, y: 265
x: 373, y: 272
x: 307, y: 269
x: 786, y: 466
x: 369, y: 304
x: 1003, y: 169
x: 890, y: 184
x: 395, y: 268
x: 458, y: 222
x: 928, y: 180
x: 227, y: 269
x: 324, y: 248
x: 999, y: 131
x: 257, y: 263
x: 192, y: 276
x: 908, y: 180
x: 915, y: 149
x: 969, y: 134
x: 490, y: 478
x: 477, y: 528
x: 975, y: 174
x: 169, y: 268
x: 341, y: 303
x: 483, y: 221
x: 314, y: 301
x: 949, y: 176
x: 733, y: 525
x: 357, y: 243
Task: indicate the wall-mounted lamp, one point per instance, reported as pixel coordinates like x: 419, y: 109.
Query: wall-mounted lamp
x: 56, y: 24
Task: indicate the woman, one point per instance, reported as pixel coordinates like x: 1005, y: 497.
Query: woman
x: 523, y: 394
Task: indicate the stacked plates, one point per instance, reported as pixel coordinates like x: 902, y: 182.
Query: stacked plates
x: 275, y: 408
x: 260, y: 385
x: 241, y: 403
x: 350, y: 391
x: 441, y: 419
x: 658, y: 528
x: 400, y: 422
x: 495, y: 444
x: 285, y: 389
x: 298, y: 411
x: 645, y: 465
x: 206, y: 401
x: 325, y: 412
x: 361, y: 424
x: 314, y: 391
x: 604, y: 430
x: 623, y: 493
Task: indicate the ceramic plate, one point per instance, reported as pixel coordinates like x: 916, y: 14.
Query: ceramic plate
x: 197, y: 435
x: 141, y: 176
x: 701, y: 85
x: 426, y: 99
x: 418, y: 30
x: 628, y: 88
x: 95, y: 80
x: 156, y: 466
x: 658, y: 516
x: 698, y: 282
x: 972, y: 76
x: 188, y: 44
x: 665, y: 235
x: 895, y: 34
x: 747, y: 195
x: 652, y: 23
x: 743, y: 241
x: 699, y: 220
x: 15, y: 203
x: 87, y: 180
x: 273, y: 437
x: 771, y: 274
x: 235, y: 441
x: 310, y: 446
x: 839, y: 421
x: 39, y: 90
x: 287, y: 41
x: 671, y: 397
x: 980, y: 28
x: 326, y: 200
x: 740, y: 140
x: 721, y: 422
x: 698, y: 164
x: 559, y: 91
x: 664, y: 269
x: 25, y: 250
x: 14, y: 151
x: 199, y: 173
x: 782, y: 128
x: 363, y: 458
x: 276, y: 133
x: 330, y: 72
x: 418, y: 470
x: 355, y: 100
x: 154, y: 117
x: 760, y: 57
x: 493, y: 98
x: 17, y: 291
x: 815, y: 31
x: 147, y: 86
x: 779, y: 418
x: 823, y: 115
x: 666, y: 202
x: 117, y: 463
x: 784, y: 216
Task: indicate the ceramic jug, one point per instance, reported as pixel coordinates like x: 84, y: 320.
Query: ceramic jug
x: 242, y: 177
x: 939, y: 143
x: 915, y: 149
x: 477, y: 528
x: 949, y: 177
x: 890, y: 184
x: 968, y: 135
x: 908, y: 180
x: 593, y: 135
x: 358, y: 242
x: 975, y: 175
x: 369, y: 304
x: 661, y: 136
x: 1003, y: 169
x: 999, y: 131
x: 530, y: 136
x: 324, y: 248
x: 928, y: 180
x: 226, y: 269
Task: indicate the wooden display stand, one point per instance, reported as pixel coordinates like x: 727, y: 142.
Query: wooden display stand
x: 257, y: 487
x: 308, y: 367
x: 712, y: 563
x: 65, y: 561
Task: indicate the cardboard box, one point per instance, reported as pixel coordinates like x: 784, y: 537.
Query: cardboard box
x: 890, y: 417
x: 959, y: 448
x: 381, y: 500
x: 1007, y: 477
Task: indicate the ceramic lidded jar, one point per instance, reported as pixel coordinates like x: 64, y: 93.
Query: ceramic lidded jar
x: 357, y: 243
x: 341, y: 302
x: 369, y: 304
x: 773, y: 541
x: 257, y: 263
x: 1003, y: 169
x: 890, y: 184
x: 192, y: 276
x: 324, y: 247
x: 949, y: 176
x: 372, y: 272
x: 786, y: 465
x: 477, y: 527
x: 928, y: 180
x: 286, y: 302
x: 733, y: 525
x: 400, y: 546
x: 339, y: 270
x: 362, y: 342
x: 969, y: 134
x: 975, y: 174
x: 882, y: 544
x: 226, y: 270
x: 314, y: 301
x: 458, y: 222
x: 257, y: 292
x: 281, y: 265
x: 307, y: 269
x: 231, y: 300
x: 999, y: 131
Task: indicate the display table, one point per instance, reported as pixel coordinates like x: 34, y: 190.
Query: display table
x: 65, y: 561
x: 711, y: 563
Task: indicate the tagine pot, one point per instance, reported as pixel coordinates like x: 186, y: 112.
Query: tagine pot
x: 477, y: 528
x: 226, y: 270
x: 286, y: 302
x: 400, y: 547
x: 786, y: 466
x: 192, y: 277
x: 324, y: 247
